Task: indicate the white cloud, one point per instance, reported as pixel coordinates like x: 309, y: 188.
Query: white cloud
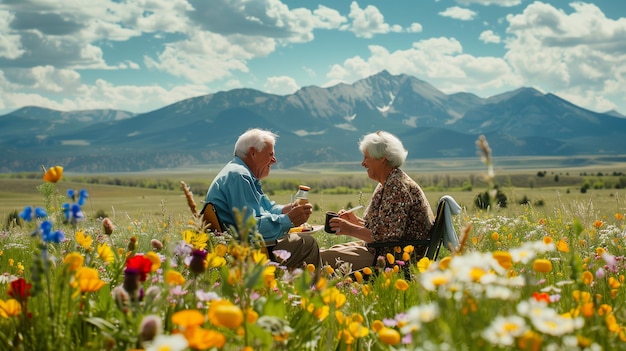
x: 489, y: 36
x: 580, y: 55
x: 459, y: 13
x: 282, y: 85
x: 10, y: 46
x: 439, y: 61
x: 504, y: 3
x: 368, y: 21
x: 414, y: 28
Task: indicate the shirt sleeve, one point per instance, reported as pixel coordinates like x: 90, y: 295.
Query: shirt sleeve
x: 241, y: 192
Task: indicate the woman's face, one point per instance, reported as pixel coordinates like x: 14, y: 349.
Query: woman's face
x: 374, y: 167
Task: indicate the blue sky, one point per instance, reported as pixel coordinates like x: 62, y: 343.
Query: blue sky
x: 141, y: 55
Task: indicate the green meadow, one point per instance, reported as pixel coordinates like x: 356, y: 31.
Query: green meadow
x: 544, y: 272
x: 546, y: 183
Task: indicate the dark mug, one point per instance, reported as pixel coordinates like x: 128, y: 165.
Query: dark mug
x: 329, y: 215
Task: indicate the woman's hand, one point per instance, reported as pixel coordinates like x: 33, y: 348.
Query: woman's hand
x: 342, y: 226
x: 349, y: 216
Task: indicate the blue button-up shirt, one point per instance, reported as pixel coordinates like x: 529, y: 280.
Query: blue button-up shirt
x: 235, y: 187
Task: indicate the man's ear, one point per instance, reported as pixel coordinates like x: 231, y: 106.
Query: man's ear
x: 251, y: 151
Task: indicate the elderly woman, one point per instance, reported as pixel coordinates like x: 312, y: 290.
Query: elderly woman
x: 398, y: 209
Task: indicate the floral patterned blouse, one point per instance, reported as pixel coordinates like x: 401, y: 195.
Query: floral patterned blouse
x: 398, y: 210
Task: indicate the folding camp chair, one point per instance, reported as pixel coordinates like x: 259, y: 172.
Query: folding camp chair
x: 433, y: 243
x: 213, y: 223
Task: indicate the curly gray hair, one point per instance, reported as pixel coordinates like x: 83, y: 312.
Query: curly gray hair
x: 383, y: 144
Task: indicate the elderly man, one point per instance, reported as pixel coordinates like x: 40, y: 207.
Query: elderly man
x: 238, y: 186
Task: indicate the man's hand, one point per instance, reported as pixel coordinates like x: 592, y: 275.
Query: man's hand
x: 300, y: 214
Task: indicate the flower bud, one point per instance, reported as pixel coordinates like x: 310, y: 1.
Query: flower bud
x: 108, y: 226
x: 149, y: 328
x: 121, y: 298
x: 156, y: 245
x: 196, y: 265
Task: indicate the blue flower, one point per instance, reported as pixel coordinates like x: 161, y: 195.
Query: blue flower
x: 28, y: 214
x: 40, y: 212
x: 66, y: 211
x: 48, y: 235
x: 83, y: 195
x: 77, y: 214
x: 71, y: 194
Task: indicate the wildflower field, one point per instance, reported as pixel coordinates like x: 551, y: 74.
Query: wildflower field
x: 531, y: 280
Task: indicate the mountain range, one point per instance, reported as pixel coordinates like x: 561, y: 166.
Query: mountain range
x: 314, y: 125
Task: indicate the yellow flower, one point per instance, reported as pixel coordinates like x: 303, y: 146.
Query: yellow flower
x: 377, y: 325
x: 581, y: 296
x: 390, y: 258
x: 321, y: 284
x: 155, y: 259
x: 389, y: 336
x: 444, y: 263
x: 495, y: 236
x: 367, y: 271
x: 423, y: 264
x: 269, y: 276
x: 105, y: 253
x: 587, y: 277
x: 251, y: 315
x: 530, y: 341
x: 334, y: 296
x: 406, y: 256
x: 598, y: 223
x: 195, y: 239
x: 188, y: 318
x: 542, y: 265
x: 310, y: 268
x: 358, y: 276
x: 10, y: 308
x: 88, y: 280
x: 223, y: 313
x: 74, y: 260
x: 174, y: 278
x: 203, y: 339
x: 83, y: 240
x: 477, y: 273
x: 614, y: 283
x: 504, y: 258
x: 402, y: 285
x: 258, y: 256
x: 53, y: 174
x: 547, y: 240
x: 619, y: 216
x: 562, y: 245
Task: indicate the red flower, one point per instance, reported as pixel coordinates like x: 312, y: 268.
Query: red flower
x: 19, y: 289
x: 139, y: 264
x: 541, y: 296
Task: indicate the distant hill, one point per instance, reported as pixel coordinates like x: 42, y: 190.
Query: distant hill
x: 314, y: 125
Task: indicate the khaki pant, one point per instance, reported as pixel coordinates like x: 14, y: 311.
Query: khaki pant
x: 353, y: 252
x: 303, y: 249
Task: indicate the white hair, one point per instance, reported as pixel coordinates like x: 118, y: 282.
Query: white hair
x: 257, y: 138
x: 383, y: 144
